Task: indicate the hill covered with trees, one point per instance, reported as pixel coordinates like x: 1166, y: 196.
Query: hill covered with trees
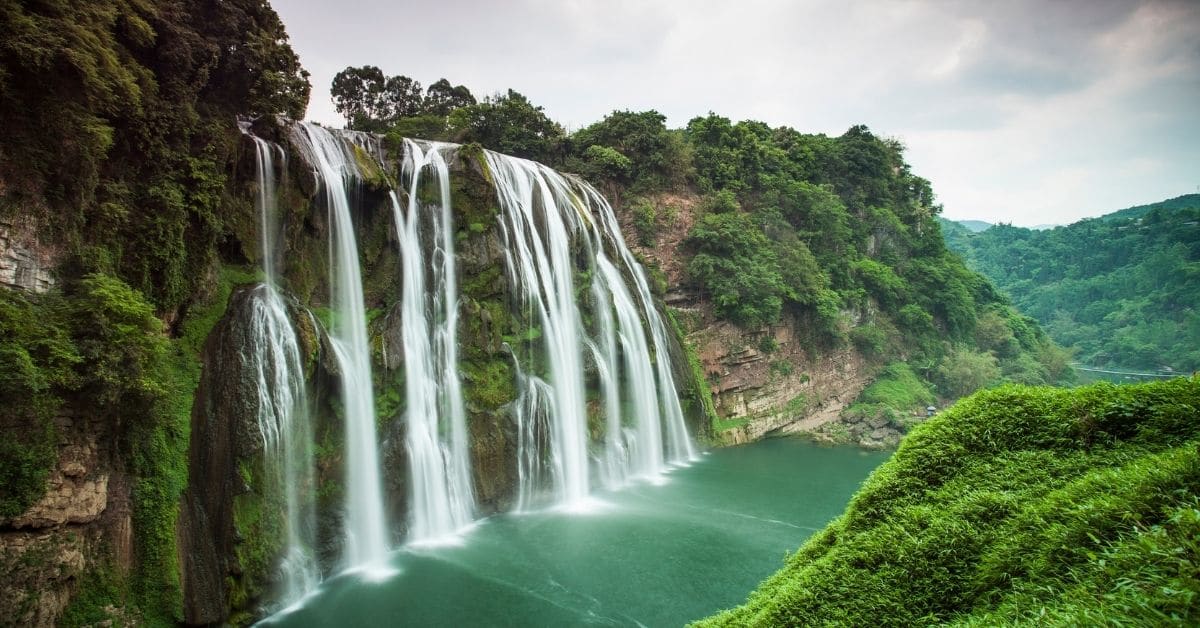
x: 835, y: 232
x: 1122, y: 289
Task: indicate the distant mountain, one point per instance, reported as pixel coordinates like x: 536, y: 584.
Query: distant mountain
x: 975, y: 226
x: 1122, y: 289
x: 1186, y: 201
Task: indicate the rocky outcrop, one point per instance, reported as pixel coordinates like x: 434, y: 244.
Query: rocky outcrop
x: 25, y: 263
x: 40, y: 569
x: 767, y: 381
x: 84, y: 514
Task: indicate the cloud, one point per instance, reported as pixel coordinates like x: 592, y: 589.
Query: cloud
x: 1029, y: 112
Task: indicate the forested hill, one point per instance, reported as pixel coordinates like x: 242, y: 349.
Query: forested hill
x: 1122, y: 289
x: 763, y: 225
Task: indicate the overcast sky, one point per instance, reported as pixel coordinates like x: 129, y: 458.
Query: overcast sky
x: 1021, y: 112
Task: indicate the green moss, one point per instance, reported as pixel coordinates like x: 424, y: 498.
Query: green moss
x: 896, y: 394
x: 260, y: 530
x: 100, y: 587
x: 488, y: 384
x: 723, y: 425
x: 483, y: 284
x: 370, y: 170
x: 204, y: 313
x: 696, y: 388
x: 38, y: 366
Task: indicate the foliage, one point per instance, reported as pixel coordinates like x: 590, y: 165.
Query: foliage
x: 645, y: 221
x: 1016, y: 506
x: 100, y: 343
x: 100, y: 588
x: 122, y: 149
x: 964, y: 371
x: 653, y: 156
x: 897, y: 392
x: 736, y: 266
x: 373, y: 101
x: 509, y: 123
x: 38, y: 365
x: 1120, y: 289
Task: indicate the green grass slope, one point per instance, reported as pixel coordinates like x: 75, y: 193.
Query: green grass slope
x: 1018, y: 505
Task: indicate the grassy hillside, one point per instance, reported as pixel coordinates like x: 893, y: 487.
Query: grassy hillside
x: 1019, y: 504
x: 1122, y: 289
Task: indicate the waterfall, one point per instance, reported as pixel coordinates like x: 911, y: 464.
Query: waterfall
x: 442, y: 498
x: 546, y: 219
x: 283, y: 419
x: 594, y: 327
x: 680, y: 449
x: 365, y: 528
x: 540, y: 266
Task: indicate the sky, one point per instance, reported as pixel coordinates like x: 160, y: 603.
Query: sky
x: 1017, y: 111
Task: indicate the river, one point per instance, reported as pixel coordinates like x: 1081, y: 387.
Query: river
x: 650, y: 554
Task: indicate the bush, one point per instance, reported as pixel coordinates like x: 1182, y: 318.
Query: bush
x: 645, y: 221
x: 735, y: 265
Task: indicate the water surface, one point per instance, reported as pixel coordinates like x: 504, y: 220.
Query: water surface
x: 649, y: 554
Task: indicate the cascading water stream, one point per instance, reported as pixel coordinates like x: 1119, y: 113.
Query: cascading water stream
x: 283, y: 418
x: 540, y: 265
x: 365, y: 526
x: 442, y: 497
x: 543, y: 215
x: 680, y: 449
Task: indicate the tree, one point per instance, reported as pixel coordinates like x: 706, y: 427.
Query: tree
x: 372, y: 101
x: 357, y: 95
x: 402, y: 98
x: 964, y: 371
x: 736, y: 264
x: 657, y: 156
x: 441, y: 98
x: 509, y: 123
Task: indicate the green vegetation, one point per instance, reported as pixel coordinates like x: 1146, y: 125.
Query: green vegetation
x: 120, y: 154
x: 694, y: 386
x: 38, y: 365
x: 1121, y: 290
x: 1018, y: 505
x: 99, y: 344
x: 895, y: 394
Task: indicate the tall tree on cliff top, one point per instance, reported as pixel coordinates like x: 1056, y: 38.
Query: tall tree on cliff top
x: 372, y: 101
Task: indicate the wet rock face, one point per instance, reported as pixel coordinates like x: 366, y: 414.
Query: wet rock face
x: 225, y: 404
